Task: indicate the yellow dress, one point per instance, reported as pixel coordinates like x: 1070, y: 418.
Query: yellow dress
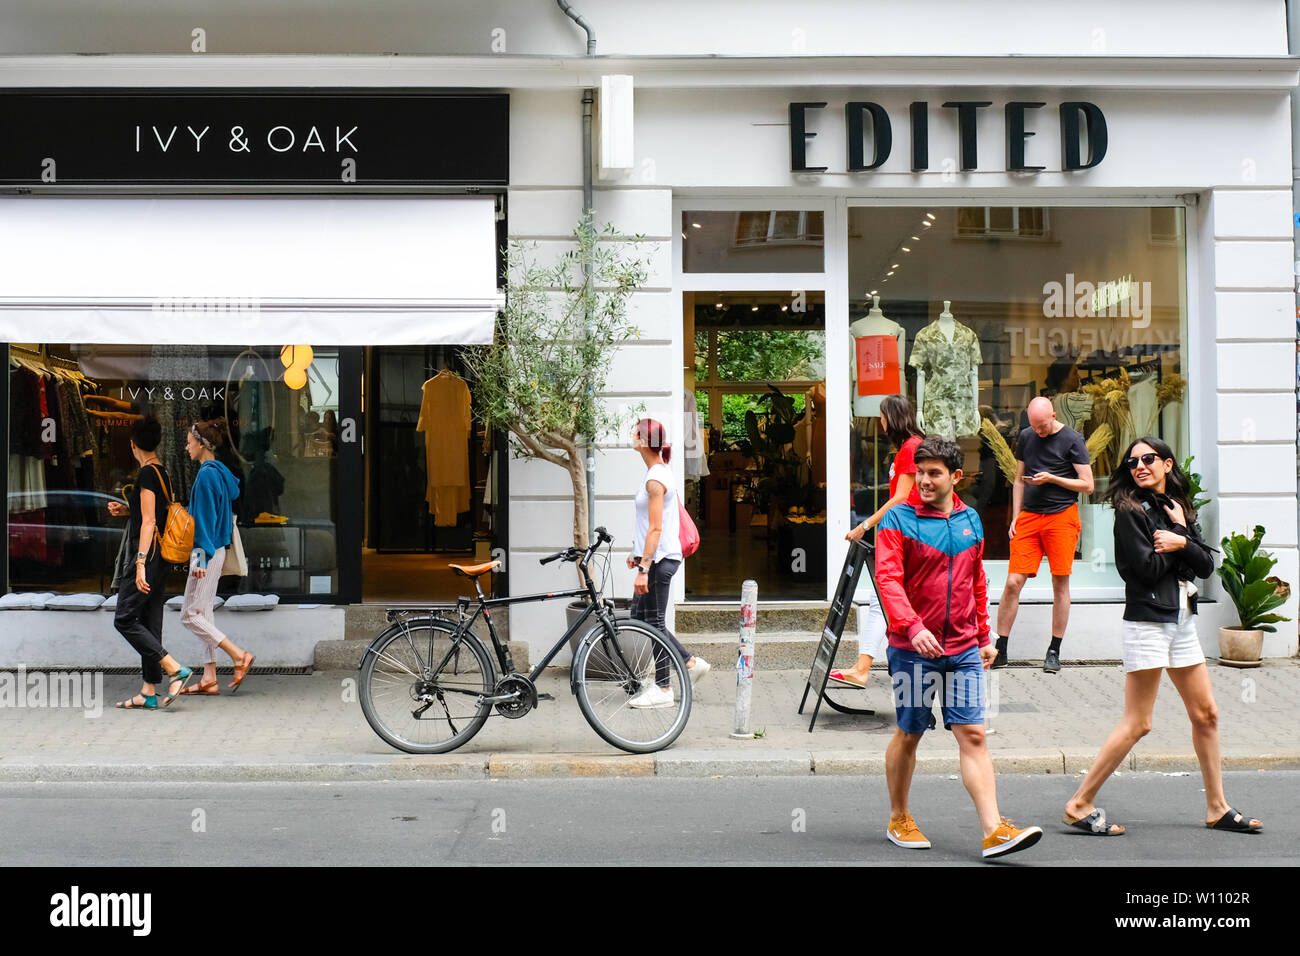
x: 445, y: 421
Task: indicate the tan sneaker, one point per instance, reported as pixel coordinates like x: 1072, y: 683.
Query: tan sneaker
x: 1008, y: 839
x: 903, y: 832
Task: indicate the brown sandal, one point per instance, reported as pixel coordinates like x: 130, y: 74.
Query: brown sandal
x: 241, y: 671
x: 202, y: 687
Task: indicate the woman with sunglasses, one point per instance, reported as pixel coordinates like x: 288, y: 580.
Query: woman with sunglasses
x: 1158, y: 552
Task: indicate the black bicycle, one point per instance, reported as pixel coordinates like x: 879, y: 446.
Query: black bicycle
x: 428, y: 683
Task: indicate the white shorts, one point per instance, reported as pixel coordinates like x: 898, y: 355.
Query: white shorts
x: 1147, y: 644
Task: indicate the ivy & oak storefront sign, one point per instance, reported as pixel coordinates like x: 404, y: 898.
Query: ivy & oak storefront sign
x: 262, y: 137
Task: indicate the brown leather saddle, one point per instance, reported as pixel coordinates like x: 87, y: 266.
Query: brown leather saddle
x: 474, y: 570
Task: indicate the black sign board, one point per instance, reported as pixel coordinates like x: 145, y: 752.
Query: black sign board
x: 861, y: 555
x: 344, y: 139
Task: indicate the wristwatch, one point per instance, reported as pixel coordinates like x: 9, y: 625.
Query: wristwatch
x: 140, y: 556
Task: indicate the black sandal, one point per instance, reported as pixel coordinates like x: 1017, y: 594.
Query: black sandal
x: 1234, y: 822
x: 1094, y: 824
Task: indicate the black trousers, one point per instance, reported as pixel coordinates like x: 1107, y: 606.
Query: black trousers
x: 653, y: 605
x: 139, y: 617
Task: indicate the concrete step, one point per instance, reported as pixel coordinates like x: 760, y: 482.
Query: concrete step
x: 702, y: 618
x: 773, y: 650
x: 364, y: 622
x: 346, y: 655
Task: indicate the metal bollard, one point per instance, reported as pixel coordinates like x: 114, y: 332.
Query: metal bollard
x: 745, y: 660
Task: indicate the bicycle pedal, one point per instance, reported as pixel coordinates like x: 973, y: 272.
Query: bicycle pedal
x: 542, y: 697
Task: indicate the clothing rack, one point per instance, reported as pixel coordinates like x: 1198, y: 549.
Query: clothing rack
x: 42, y: 363
x: 1090, y: 371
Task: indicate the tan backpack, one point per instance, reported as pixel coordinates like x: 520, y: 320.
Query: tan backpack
x: 176, y: 540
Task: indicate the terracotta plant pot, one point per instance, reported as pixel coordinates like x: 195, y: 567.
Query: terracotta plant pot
x: 1239, y: 647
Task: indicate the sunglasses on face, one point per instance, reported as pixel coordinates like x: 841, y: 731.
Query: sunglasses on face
x: 1147, y: 459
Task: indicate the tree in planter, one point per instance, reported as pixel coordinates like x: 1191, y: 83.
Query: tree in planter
x: 1245, y: 577
x: 555, y: 342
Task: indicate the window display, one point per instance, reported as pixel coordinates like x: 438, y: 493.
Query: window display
x: 71, y: 408
x: 1084, y: 306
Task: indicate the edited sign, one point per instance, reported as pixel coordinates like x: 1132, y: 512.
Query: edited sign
x: 265, y: 137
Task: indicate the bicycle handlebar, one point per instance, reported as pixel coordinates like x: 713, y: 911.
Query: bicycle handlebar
x: 573, y: 554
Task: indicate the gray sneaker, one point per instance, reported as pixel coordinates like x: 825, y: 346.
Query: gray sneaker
x: 1052, y: 663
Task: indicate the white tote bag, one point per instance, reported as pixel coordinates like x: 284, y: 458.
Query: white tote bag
x: 235, y: 562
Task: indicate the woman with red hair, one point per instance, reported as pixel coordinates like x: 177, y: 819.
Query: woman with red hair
x: 657, y: 554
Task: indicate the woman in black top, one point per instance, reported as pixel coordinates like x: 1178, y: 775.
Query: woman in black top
x: 1158, y: 552
x: 140, y: 598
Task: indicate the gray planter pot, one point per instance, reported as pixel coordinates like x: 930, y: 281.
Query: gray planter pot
x: 1239, y: 647
x: 573, y: 611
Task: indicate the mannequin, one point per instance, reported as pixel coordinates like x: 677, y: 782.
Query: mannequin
x: 946, y: 356
x: 875, y: 362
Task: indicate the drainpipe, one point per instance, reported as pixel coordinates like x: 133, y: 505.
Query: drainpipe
x: 588, y: 99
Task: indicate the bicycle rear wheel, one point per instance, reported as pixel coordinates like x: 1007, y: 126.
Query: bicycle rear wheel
x: 422, y: 685
x: 610, y: 670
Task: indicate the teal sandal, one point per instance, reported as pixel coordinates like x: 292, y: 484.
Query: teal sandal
x: 183, y: 675
x: 150, y: 702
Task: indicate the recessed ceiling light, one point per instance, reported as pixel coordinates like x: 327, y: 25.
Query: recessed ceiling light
x: 927, y: 224
x: 719, y: 305
x: 696, y: 225
x: 905, y: 249
x: 894, y: 266
x: 888, y: 274
x: 753, y: 308
x: 930, y: 216
x: 916, y: 238
x: 784, y: 308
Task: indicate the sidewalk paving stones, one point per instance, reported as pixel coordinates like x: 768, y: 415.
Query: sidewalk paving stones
x: 282, y: 727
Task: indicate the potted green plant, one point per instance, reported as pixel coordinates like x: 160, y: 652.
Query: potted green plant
x: 1254, y: 594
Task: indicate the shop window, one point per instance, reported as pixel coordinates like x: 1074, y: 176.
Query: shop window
x: 785, y: 240
x: 1002, y: 222
x: 1094, y: 321
x: 71, y: 409
x: 760, y: 487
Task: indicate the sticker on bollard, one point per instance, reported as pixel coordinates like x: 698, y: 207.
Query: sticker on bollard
x: 745, y: 660
x: 861, y: 555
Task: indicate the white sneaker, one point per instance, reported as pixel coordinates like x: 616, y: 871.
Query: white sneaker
x: 698, y: 669
x: 653, y: 696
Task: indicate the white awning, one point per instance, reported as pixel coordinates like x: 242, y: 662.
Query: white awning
x: 235, y: 271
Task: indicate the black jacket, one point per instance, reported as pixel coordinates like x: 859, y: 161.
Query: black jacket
x: 1151, y: 579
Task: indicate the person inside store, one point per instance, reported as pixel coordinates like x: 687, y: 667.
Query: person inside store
x: 898, y: 421
x: 141, y: 595
x: 211, y: 505
x: 1159, y: 554
x: 930, y: 571
x: 657, y: 554
x: 1052, y: 470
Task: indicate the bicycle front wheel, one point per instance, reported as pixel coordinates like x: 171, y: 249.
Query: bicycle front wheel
x: 422, y: 686
x: 611, y: 670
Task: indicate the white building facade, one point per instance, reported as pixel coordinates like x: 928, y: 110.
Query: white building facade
x: 1164, y: 257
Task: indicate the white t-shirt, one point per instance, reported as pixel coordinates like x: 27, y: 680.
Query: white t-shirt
x: 670, y: 543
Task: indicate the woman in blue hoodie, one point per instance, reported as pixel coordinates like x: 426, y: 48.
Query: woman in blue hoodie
x: 211, y: 505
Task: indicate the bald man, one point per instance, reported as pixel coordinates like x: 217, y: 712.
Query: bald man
x: 1052, y: 470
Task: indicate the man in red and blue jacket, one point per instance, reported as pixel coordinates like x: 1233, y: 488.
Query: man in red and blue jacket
x: 930, y: 577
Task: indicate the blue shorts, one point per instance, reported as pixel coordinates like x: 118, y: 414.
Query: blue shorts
x: 958, y: 682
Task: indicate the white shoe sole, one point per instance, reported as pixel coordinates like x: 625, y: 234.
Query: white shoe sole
x: 919, y: 845
x: 647, y: 706
x: 1026, y: 838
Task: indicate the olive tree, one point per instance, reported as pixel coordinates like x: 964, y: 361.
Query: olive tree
x: 556, y: 338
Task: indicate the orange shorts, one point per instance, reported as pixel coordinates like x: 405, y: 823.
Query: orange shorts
x: 1055, y: 535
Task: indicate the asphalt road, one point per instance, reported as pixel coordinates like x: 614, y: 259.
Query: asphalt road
x: 757, y: 821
